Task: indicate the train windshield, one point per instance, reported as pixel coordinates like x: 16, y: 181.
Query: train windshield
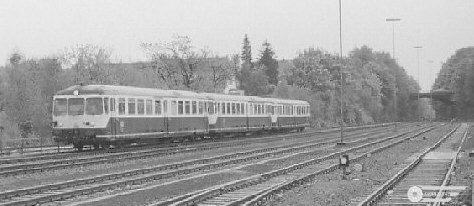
x: 94, y: 106
x: 76, y: 106
x: 60, y: 107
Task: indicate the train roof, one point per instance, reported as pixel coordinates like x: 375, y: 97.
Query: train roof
x: 126, y: 90
x: 137, y: 91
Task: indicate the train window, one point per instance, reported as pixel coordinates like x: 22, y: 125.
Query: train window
x: 94, y: 106
x: 232, y: 106
x: 140, y: 106
x: 76, y: 106
x: 157, y: 107
x: 229, y: 111
x: 194, y: 107
x: 121, y: 105
x: 131, y: 106
x: 237, y: 108
x: 180, y: 107
x: 201, y: 107
x: 60, y: 107
x: 211, y: 107
x: 149, y: 106
x: 112, y: 104
x: 106, y: 105
x: 187, y: 107
x: 165, y: 106
x: 242, y: 111
x: 174, y: 108
x: 223, y: 107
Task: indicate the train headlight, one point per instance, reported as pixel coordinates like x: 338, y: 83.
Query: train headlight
x: 60, y: 124
x: 92, y: 124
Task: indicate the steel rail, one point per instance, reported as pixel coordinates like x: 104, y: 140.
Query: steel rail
x: 47, y: 156
x: 140, y: 180
x: 447, y: 177
x: 257, y: 179
x: 380, y: 192
x: 113, y: 158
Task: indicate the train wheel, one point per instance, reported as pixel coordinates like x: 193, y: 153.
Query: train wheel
x: 96, y: 146
x: 105, y: 146
x: 79, y: 146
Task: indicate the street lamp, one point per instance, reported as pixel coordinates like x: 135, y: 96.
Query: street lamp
x: 393, y: 20
x: 419, y: 82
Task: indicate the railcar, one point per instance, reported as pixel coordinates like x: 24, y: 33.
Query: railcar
x: 101, y: 115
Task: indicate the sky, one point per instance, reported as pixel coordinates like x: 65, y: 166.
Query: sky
x: 44, y: 28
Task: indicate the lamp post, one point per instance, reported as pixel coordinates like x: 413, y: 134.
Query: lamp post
x: 340, y: 70
x: 419, y: 82
x: 393, y: 20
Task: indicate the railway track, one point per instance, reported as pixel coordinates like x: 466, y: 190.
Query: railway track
x: 255, y: 189
x: 73, y: 162
x: 65, y: 190
x: 66, y: 155
x: 431, y: 167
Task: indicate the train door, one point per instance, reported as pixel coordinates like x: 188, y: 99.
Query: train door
x: 113, y: 118
x: 212, y: 113
x: 247, y: 110
x: 274, y: 115
x: 165, y: 115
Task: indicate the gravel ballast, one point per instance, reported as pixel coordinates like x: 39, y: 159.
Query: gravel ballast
x: 330, y: 189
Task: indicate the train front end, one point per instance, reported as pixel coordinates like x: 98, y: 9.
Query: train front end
x: 79, y: 116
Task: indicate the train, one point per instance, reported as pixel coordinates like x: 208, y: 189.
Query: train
x: 105, y: 115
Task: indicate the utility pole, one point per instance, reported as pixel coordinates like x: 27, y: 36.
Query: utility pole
x: 419, y: 82
x: 393, y: 20
x: 395, y: 118
x: 340, y: 70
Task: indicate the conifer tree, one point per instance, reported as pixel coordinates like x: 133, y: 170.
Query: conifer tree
x: 269, y: 62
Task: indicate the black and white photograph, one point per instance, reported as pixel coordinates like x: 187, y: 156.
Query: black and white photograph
x: 236, y: 102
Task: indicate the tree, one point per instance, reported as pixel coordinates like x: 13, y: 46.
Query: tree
x: 89, y: 64
x: 456, y: 75
x: 256, y: 84
x: 177, y: 62
x: 29, y: 87
x: 246, y: 55
x: 271, y: 64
